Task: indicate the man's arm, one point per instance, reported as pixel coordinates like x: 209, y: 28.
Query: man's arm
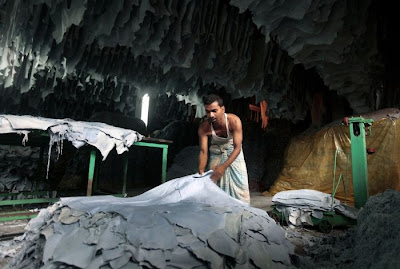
x: 237, y: 131
x: 203, y: 155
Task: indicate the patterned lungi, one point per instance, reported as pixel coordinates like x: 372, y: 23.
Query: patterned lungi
x: 235, y: 179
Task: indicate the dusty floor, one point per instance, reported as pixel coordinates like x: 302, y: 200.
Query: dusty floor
x: 8, y: 230
x: 259, y: 201
x: 12, y: 227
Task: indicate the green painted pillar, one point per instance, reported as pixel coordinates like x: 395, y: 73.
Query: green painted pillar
x: 359, y: 159
x: 92, y: 164
x: 164, y: 165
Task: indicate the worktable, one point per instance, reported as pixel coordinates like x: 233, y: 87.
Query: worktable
x: 41, y: 139
x: 145, y: 142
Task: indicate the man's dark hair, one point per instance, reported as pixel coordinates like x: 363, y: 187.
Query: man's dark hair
x: 211, y: 98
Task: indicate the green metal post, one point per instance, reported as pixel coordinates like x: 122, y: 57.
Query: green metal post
x: 164, y: 165
x: 125, y: 173
x: 92, y: 164
x: 359, y: 159
x: 96, y: 175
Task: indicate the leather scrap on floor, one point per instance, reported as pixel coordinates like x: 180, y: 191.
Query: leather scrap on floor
x: 299, y: 205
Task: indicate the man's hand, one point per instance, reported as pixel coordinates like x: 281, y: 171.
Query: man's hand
x: 218, y: 172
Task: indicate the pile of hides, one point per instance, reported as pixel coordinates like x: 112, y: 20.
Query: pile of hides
x: 100, y: 135
x: 373, y: 243
x: 9, y: 248
x: 185, y: 223
x: 185, y: 163
x: 298, y: 206
x: 17, y: 166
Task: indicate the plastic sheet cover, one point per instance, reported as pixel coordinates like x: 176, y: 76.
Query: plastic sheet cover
x: 309, y: 160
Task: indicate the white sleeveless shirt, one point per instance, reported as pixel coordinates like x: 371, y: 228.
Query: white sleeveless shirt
x: 217, y: 140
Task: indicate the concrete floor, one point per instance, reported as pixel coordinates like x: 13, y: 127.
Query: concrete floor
x: 7, y: 230
x: 12, y: 227
x: 259, y: 201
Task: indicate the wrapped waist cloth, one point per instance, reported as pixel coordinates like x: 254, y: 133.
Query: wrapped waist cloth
x: 235, y: 179
x: 221, y: 148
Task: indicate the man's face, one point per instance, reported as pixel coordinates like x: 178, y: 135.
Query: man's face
x: 214, y: 111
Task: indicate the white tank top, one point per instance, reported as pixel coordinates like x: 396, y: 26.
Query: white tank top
x: 217, y: 140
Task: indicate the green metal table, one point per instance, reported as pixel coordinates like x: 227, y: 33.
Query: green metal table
x: 14, y: 215
x: 145, y: 142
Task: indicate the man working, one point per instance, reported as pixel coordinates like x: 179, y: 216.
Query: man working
x: 226, y: 154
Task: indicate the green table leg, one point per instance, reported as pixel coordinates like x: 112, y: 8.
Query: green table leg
x: 164, y: 165
x: 92, y: 164
x: 96, y: 175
